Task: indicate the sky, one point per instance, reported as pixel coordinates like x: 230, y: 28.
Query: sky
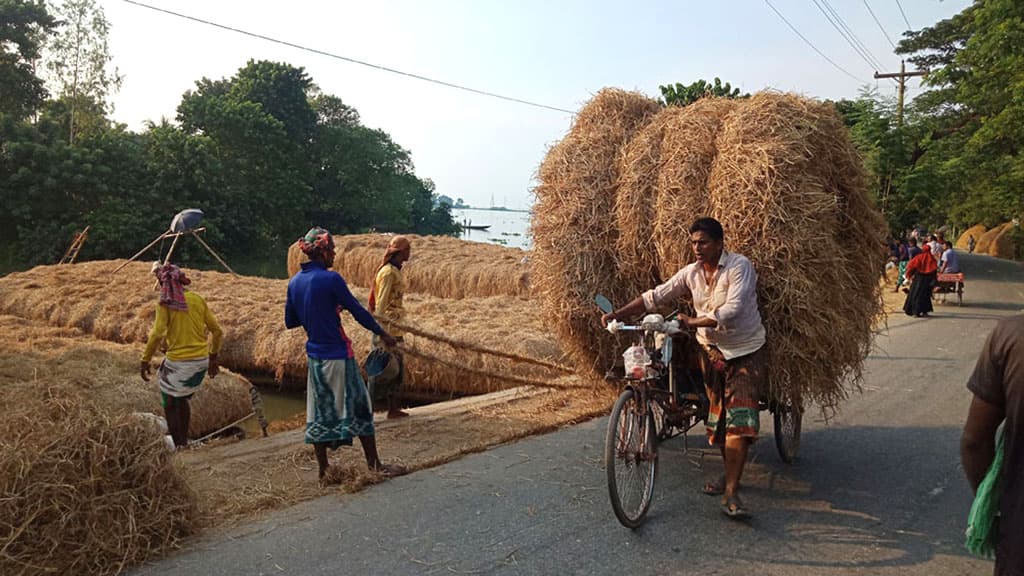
x: 555, y: 52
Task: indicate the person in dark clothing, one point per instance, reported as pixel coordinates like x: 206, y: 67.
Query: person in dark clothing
x: 921, y: 271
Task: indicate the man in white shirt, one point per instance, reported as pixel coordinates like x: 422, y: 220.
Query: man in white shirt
x: 723, y: 288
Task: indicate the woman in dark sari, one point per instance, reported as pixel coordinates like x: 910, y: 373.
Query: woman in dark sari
x: 922, y: 271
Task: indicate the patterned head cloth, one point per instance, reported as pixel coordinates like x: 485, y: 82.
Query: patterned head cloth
x: 315, y: 242
x: 396, y: 245
x: 172, y: 286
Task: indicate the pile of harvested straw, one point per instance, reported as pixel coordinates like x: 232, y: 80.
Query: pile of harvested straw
x: 777, y: 170
x: 108, y: 373
x: 1004, y: 245
x: 120, y: 308
x: 441, y: 266
x: 574, y: 226
x: 84, y: 489
x: 987, y: 239
x: 976, y: 231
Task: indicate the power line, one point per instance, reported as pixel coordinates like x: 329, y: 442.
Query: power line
x: 875, y: 18
x: 909, y: 27
x: 849, y: 31
x: 350, y: 60
x: 860, y: 52
x: 813, y: 47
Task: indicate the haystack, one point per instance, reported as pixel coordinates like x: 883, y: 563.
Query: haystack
x: 780, y: 173
x: 1005, y: 244
x: 108, y: 374
x: 251, y: 311
x: 83, y: 489
x: 986, y: 240
x: 977, y: 231
x: 574, y: 226
x: 441, y: 266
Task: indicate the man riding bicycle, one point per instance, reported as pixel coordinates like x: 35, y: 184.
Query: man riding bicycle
x: 722, y: 287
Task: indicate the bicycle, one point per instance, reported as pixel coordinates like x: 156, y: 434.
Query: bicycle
x: 661, y: 401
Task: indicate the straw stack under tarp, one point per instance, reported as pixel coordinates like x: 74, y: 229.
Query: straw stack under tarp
x: 777, y: 170
x: 976, y: 231
x: 121, y: 308
x: 575, y: 228
x: 109, y: 374
x: 441, y: 266
x: 85, y: 487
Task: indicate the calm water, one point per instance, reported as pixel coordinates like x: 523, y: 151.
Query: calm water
x: 506, y: 228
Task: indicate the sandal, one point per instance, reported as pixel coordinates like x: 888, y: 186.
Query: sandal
x: 733, y: 508
x: 715, y: 487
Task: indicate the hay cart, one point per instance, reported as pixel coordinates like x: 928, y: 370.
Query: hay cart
x: 952, y: 283
x: 663, y: 401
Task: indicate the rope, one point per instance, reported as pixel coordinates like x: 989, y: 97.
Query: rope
x: 492, y: 375
x: 479, y: 349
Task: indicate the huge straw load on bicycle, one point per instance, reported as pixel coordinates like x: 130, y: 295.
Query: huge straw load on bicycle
x: 617, y: 195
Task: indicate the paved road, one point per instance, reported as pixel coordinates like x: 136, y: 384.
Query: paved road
x: 878, y: 490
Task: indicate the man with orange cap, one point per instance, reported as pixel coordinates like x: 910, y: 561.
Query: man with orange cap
x: 386, y: 303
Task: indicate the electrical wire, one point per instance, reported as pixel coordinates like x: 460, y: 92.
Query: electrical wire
x: 880, y: 27
x: 849, y: 30
x: 351, y: 60
x: 909, y: 27
x: 864, y: 55
x: 809, y: 43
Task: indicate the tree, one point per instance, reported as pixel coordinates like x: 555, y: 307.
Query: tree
x: 78, y: 59
x: 679, y: 95
x: 23, y: 27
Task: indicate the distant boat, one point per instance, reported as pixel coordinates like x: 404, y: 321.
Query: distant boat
x: 471, y: 227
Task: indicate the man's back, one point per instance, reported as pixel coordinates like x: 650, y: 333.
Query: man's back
x: 999, y: 380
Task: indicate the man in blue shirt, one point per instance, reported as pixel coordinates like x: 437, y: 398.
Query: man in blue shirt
x: 337, y: 402
x: 950, y: 261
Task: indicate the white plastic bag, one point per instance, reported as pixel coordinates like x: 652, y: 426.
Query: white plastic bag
x: 636, y: 361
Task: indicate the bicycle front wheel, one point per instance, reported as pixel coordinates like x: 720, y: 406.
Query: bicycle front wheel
x: 631, y: 459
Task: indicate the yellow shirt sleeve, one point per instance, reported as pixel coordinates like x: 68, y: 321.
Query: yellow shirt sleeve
x: 216, y: 334
x: 389, y: 298
x: 157, y: 334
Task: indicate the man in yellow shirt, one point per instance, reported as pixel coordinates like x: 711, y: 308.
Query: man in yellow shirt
x: 183, y: 321
x: 386, y: 304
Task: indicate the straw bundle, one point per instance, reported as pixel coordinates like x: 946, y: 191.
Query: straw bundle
x: 687, y: 155
x: 83, y: 490
x: 780, y: 174
x: 251, y: 311
x: 790, y: 190
x: 1004, y: 245
x: 441, y: 266
x: 109, y: 374
x: 574, y: 225
x: 977, y: 231
x: 986, y: 240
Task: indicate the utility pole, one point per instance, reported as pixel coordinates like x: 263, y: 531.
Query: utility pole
x: 902, y: 75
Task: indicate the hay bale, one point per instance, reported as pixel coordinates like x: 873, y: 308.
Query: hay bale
x: 574, y: 227
x: 986, y: 240
x: 790, y: 192
x: 108, y: 374
x: 978, y: 230
x: 441, y: 266
x: 687, y: 155
x: 251, y: 312
x: 780, y: 173
x: 1005, y: 245
x: 83, y: 491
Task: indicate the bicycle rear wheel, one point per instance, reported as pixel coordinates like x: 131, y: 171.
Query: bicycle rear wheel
x: 631, y: 459
x: 788, y: 416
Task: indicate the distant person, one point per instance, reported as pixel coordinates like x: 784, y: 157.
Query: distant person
x: 183, y: 321
x: 949, y: 263
x: 913, y: 249
x: 921, y: 273
x: 936, y: 246
x: 998, y: 387
x: 971, y: 243
x: 338, y: 404
x: 386, y: 297
x: 904, y: 259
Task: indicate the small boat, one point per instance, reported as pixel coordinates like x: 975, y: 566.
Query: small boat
x: 470, y: 227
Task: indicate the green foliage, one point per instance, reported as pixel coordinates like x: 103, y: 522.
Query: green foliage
x: 680, y: 95
x: 23, y: 25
